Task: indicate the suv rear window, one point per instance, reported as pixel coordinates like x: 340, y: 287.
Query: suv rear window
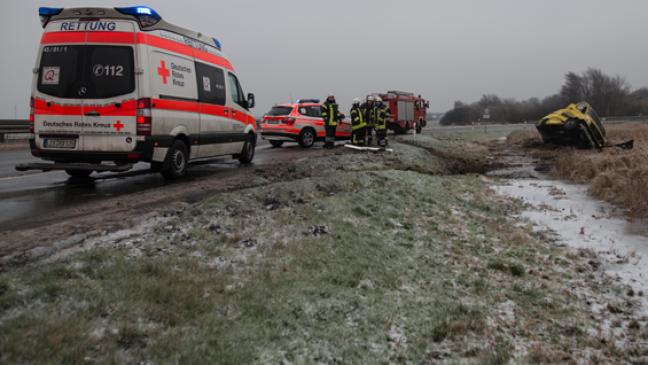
x: 280, y: 111
x: 86, y: 72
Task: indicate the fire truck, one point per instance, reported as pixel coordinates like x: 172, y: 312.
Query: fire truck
x: 408, y: 111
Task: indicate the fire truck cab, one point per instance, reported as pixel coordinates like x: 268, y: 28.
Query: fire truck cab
x: 408, y: 111
x: 117, y: 86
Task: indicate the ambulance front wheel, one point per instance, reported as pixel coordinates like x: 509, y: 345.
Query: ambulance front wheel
x: 247, y: 155
x: 175, y: 163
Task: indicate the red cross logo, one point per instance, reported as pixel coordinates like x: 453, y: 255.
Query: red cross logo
x: 118, y: 126
x: 164, y: 72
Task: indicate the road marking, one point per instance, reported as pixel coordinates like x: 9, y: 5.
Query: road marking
x: 9, y: 178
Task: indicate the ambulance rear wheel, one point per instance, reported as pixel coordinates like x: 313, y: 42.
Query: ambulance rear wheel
x: 276, y: 144
x: 79, y: 174
x: 307, y: 138
x: 175, y: 163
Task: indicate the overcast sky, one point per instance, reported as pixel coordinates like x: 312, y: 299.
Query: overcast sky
x: 446, y: 50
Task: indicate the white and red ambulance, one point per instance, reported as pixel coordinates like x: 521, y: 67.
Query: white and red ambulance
x: 117, y: 86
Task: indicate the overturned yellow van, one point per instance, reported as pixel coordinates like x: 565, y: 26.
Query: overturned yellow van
x: 576, y: 125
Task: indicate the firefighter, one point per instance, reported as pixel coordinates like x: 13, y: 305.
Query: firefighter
x: 358, y: 122
x: 370, y: 114
x: 331, y: 116
x: 382, y: 116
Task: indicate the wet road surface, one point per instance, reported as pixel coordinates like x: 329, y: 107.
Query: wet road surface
x: 30, y: 197
x: 26, y: 197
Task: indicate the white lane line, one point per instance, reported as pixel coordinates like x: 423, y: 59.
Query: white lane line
x: 9, y: 178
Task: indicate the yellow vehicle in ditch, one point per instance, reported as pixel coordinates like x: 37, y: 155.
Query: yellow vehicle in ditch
x: 577, y: 125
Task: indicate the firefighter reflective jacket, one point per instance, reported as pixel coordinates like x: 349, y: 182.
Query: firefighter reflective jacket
x: 370, y: 114
x: 382, y: 113
x: 358, y: 118
x: 330, y: 114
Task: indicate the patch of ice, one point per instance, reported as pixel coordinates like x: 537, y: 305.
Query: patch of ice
x: 582, y: 222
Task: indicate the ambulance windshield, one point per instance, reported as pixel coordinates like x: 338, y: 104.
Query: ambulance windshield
x: 86, y: 72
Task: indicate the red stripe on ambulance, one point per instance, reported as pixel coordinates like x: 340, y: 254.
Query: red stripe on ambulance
x: 126, y: 109
x: 50, y: 38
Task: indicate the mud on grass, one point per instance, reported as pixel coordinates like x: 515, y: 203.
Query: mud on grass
x: 371, y: 265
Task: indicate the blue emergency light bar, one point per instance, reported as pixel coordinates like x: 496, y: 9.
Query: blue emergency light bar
x: 218, y: 44
x: 146, y: 16
x: 43, y: 11
x: 47, y: 13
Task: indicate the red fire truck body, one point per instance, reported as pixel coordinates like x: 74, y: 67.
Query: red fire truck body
x: 408, y: 111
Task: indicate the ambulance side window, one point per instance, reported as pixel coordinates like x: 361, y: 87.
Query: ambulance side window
x: 211, y: 84
x: 236, y: 92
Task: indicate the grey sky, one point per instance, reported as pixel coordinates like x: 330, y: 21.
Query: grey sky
x: 445, y: 50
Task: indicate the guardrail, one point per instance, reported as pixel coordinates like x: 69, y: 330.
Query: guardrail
x: 617, y: 120
x: 14, y: 130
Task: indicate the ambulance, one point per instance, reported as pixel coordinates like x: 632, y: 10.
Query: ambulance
x: 117, y: 86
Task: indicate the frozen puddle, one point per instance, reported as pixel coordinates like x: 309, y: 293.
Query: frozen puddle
x: 582, y: 222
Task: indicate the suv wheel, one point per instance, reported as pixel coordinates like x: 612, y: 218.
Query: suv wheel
x: 276, y: 144
x: 175, y: 163
x: 79, y: 174
x: 307, y: 138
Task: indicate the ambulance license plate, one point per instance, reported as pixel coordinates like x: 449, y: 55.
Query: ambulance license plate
x: 60, y: 143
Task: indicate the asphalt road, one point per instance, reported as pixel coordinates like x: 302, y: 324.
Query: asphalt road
x: 31, y: 196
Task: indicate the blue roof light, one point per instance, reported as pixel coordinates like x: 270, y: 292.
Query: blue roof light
x: 218, y: 44
x: 147, y: 16
x: 144, y: 10
x: 43, y: 11
x: 47, y: 13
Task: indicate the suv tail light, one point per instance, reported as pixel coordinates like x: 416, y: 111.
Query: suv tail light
x: 144, y: 119
x: 32, y: 117
x: 289, y: 121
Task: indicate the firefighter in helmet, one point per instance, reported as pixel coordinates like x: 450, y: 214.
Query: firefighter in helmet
x: 358, y: 123
x: 382, y: 116
x: 370, y: 114
x: 331, y: 116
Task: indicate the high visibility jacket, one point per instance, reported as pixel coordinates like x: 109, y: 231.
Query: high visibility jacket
x: 370, y: 113
x: 358, y: 118
x: 330, y: 114
x: 382, y: 114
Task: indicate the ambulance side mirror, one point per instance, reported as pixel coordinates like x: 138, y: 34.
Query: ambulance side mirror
x: 251, y: 102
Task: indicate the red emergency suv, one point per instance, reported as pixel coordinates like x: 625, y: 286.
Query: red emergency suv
x: 300, y: 122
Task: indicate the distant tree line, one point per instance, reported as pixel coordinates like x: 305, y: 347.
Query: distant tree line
x: 609, y: 95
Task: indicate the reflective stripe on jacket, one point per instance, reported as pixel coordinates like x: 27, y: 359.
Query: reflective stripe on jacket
x: 330, y: 114
x: 382, y: 113
x: 358, y: 118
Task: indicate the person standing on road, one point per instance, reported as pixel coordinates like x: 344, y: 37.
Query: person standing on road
x: 382, y: 116
x: 370, y: 113
x: 331, y: 116
x: 358, y: 122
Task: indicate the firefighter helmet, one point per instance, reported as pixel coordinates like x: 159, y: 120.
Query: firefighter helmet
x: 378, y: 99
x: 356, y: 101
